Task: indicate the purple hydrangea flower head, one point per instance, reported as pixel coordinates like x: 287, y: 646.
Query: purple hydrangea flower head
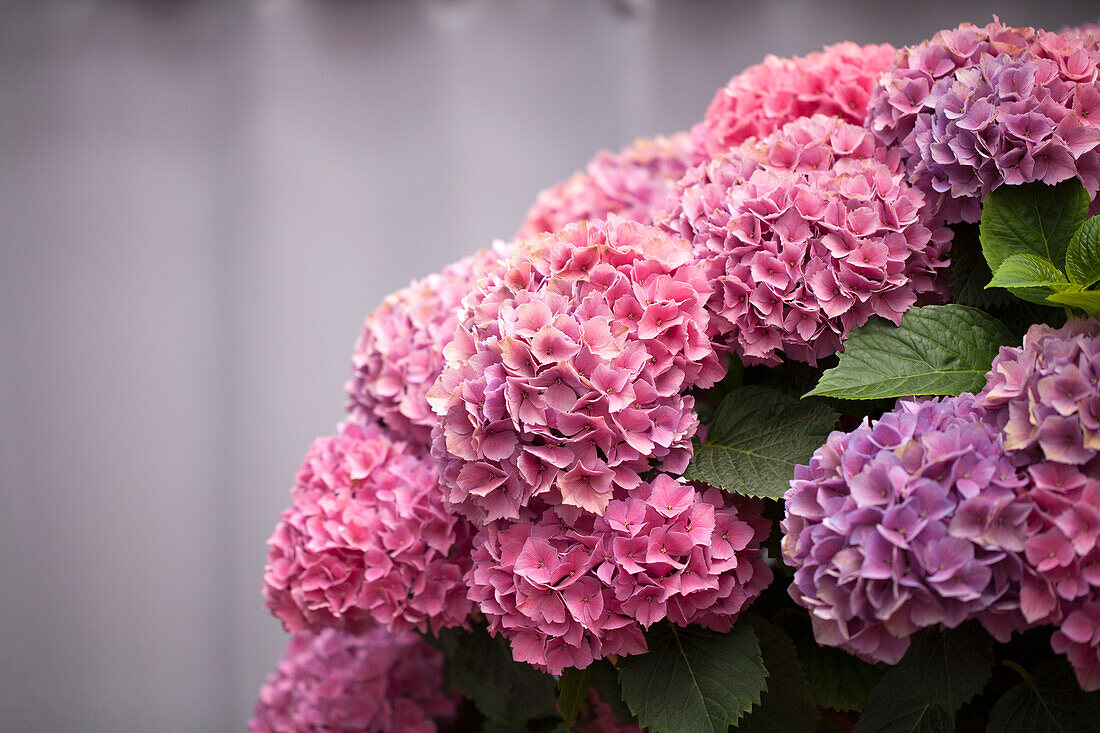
x: 399, y: 353
x: 836, y: 81
x: 367, y: 540
x: 976, y: 107
x: 566, y: 587
x: 566, y: 378
x: 1045, y: 395
x: 336, y: 682
x: 634, y: 183
x: 806, y: 234
x: 913, y: 520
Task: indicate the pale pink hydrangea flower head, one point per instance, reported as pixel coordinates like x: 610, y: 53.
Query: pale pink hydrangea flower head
x: 836, y: 81
x: 566, y: 379
x: 916, y: 519
x: 367, y: 540
x: 399, y: 353
x: 634, y: 184
x: 977, y: 107
x: 566, y: 587
x: 336, y: 682
x: 806, y: 234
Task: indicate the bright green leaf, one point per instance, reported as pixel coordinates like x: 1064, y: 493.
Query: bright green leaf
x: 693, y: 680
x: 1086, y: 300
x: 504, y: 690
x: 1026, y: 271
x: 937, y: 350
x: 787, y: 704
x: 756, y: 439
x: 1033, y: 218
x: 1051, y: 701
x: 572, y: 690
x: 941, y: 672
x: 1083, y: 255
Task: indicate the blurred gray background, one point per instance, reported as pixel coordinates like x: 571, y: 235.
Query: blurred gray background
x: 199, y: 201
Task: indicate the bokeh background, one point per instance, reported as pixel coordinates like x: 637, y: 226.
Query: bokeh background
x: 199, y: 201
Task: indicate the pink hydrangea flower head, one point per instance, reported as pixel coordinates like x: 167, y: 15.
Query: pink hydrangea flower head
x: 566, y: 378
x: 913, y: 520
x: 634, y: 184
x: 566, y: 587
x: 975, y: 107
x: 1045, y: 396
x: 399, y: 353
x: 367, y: 540
x: 836, y: 81
x: 1079, y: 639
x: 336, y: 682
x: 806, y: 234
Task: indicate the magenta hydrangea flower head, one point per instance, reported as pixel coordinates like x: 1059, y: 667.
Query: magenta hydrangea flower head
x: 806, y: 234
x: 598, y: 717
x: 913, y: 520
x: 977, y: 107
x: 367, y: 540
x: 336, y: 682
x: 836, y: 81
x: 634, y: 183
x: 566, y: 587
x: 1045, y: 395
x: 1079, y: 639
x: 567, y: 375
x: 399, y: 353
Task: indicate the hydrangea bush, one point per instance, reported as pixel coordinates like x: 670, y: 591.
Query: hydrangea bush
x: 748, y: 426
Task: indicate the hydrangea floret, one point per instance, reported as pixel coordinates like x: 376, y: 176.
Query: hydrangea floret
x: 567, y: 587
x: 566, y: 378
x: 338, y: 682
x: 367, y: 540
x: 806, y: 234
x: 913, y: 520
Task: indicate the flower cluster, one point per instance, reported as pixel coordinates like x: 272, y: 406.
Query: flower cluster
x: 806, y: 234
x: 1079, y: 639
x: 634, y: 183
x: 910, y: 521
x: 400, y: 351
x: 566, y: 378
x: 977, y: 107
x: 367, y: 540
x: 837, y: 81
x: 567, y: 587
x: 335, y: 682
x: 1045, y: 395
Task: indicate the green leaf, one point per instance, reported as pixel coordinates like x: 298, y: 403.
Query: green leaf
x: 1033, y: 218
x: 839, y: 680
x: 1051, y: 700
x: 937, y: 350
x: 1083, y: 255
x: 572, y: 690
x: 756, y: 439
x: 605, y: 679
x: 940, y: 673
x: 693, y: 680
x: 504, y: 690
x: 787, y: 704
x: 1026, y: 271
x: 1086, y: 300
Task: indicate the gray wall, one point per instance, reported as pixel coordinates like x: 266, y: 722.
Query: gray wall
x: 198, y: 203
